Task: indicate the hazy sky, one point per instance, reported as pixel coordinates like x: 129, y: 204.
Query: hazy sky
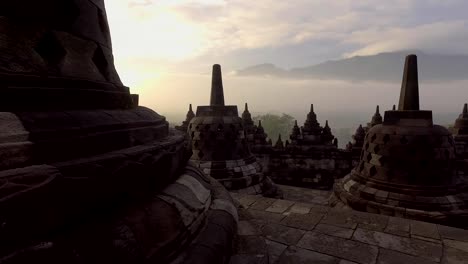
x: 164, y: 49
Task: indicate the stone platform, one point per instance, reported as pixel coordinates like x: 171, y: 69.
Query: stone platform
x: 295, y: 231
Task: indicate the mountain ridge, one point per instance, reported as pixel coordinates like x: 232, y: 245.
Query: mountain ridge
x: 385, y: 66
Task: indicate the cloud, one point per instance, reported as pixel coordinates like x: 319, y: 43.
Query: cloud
x: 194, y: 32
x: 438, y: 37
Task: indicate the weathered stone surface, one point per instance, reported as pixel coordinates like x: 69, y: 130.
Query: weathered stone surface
x: 454, y: 256
x: 302, y: 221
x: 279, y: 206
x: 300, y: 208
x: 266, y: 216
x: 463, y: 246
x: 247, y: 200
x: 394, y: 257
x: 453, y: 233
x: 339, y: 247
x: 249, y: 259
x: 262, y: 203
x: 246, y: 228
x: 251, y: 245
x: 398, y: 226
x: 343, y: 261
x: 424, y: 229
x: 275, y: 250
x: 334, y: 230
x: 282, y: 234
x: 296, y: 255
x: 409, y: 246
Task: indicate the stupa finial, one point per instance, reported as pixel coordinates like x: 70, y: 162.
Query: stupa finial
x: 217, y: 93
x: 409, y: 95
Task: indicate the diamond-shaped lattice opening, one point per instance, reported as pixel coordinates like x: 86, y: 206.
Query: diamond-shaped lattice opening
x: 201, y: 135
x: 192, y: 134
x: 369, y: 157
x: 383, y: 160
x: 386, y: 138
x: 101, y: 63
x: 373, y: 138
x: 372, y: 171
x: 450, y: 140
x: 50, y: 49
x: 404, y: 140
x: 213, y: 135
x: 361, y: 167
x: 376, y: 149
x: 366, y: 147
x: 197, y: 128
x: 201, y: 154
x: 195, y: 144
x: 190, y: 126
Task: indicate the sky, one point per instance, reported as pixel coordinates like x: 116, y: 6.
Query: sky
x: 164, y: 49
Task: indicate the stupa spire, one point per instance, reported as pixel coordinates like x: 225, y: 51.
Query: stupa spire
x: 217, y: 92
x: 409, y: 95
x: 394, y: 108
x: 465, y: 109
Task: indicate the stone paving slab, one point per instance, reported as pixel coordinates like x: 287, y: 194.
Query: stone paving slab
x: 282, y: 234
x: 305, y: 232
x: 339, y: 247
x: 300, y: 208
x: 262, y: 203
x: 334, y: 230
x: 246, y: 228
x: 302, y: 221
x: 398, y: 226
x: 296, y: 255
x: 463, y: 246
x: 424, y: 229
x: 387, y: 256
x: 415, y: 247
x: 275, y: 250
x: 453, y: 233
x: 454, y: 256
x: 279, y: 206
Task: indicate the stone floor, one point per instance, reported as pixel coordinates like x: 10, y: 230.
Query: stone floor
x: 296, y: 231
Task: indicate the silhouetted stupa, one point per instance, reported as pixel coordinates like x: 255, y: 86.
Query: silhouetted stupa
x: 407, y: 166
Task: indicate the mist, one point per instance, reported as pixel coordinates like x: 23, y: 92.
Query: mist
x: 344, y: 104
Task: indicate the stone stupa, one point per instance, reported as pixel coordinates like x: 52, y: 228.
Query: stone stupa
x: 87, y: 175
x: 219, y: 145
x: 407, y: 165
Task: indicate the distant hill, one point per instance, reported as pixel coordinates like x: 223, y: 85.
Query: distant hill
x: 381, y: 67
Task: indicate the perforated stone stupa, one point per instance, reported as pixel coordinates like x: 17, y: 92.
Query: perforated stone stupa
x: 218, y: 141
x: 460, y: 134
x: 407, y: 166
x: 87, y: 175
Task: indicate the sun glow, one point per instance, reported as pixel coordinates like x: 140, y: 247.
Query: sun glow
x: 150, y: 31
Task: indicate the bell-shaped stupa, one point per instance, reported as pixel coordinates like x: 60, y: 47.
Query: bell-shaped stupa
x: 407, y: 165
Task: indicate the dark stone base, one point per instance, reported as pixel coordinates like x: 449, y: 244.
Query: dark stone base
x: 449, y: 210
